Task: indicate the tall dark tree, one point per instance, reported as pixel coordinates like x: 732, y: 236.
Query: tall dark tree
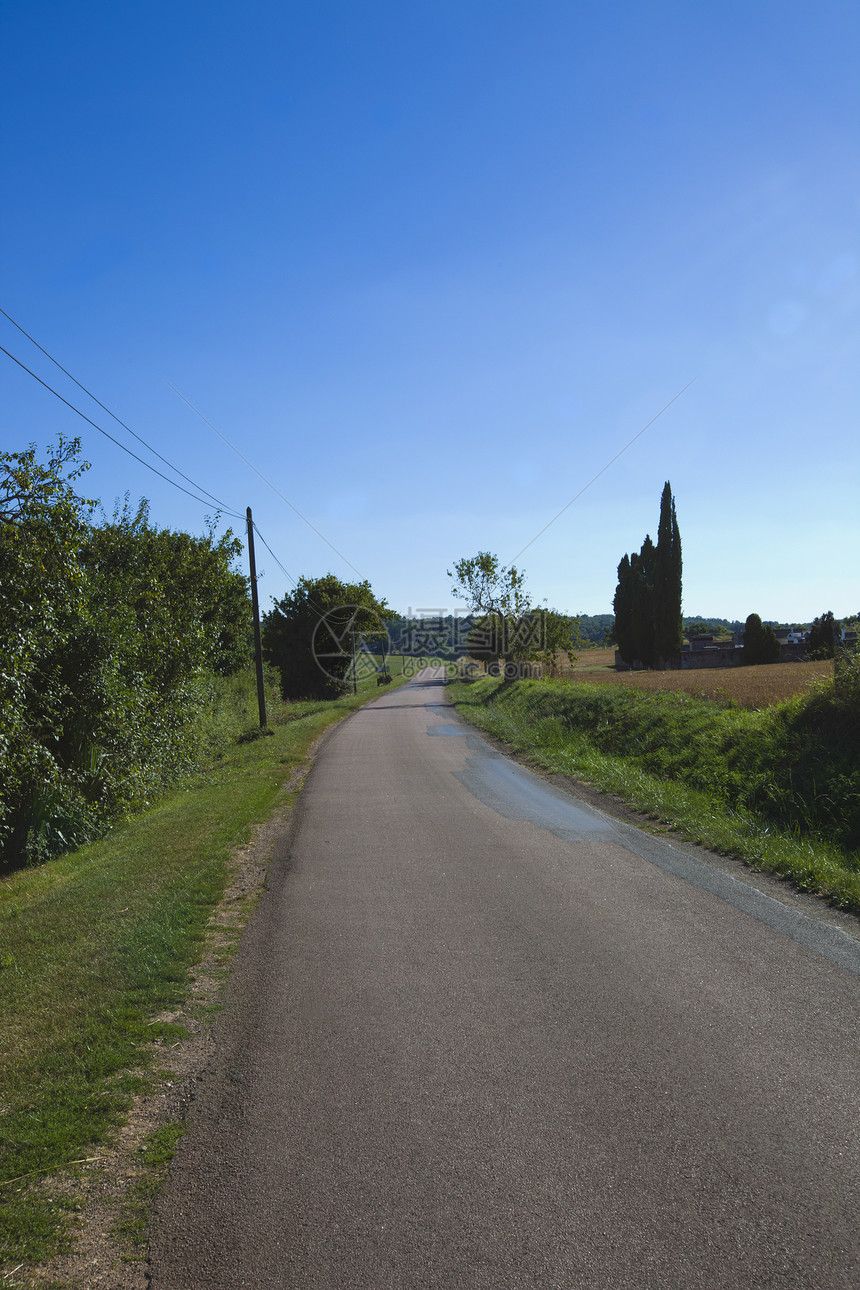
x: 668, y: 624
x: 643, y: 571
x: 648, y: 625
x: 823, y: 635
x: 760, y: 643
x: 623, y: 606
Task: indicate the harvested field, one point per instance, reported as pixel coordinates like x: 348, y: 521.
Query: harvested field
x: 749, y: 687
x: 591, y: 660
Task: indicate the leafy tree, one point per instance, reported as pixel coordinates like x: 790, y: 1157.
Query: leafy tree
x: 760, y: 643
x: 308, y: 635
x: 595, y: 628
x: 497, y: 596
x: 506, y: 625
x: 488, y: 587
x: 823, y: 635
x: 167, y: 611
x: 559, y: 636
x: 177, y: 596
x: 485, y: 639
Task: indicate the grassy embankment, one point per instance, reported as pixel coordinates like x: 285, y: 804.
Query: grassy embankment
x: 778, y: 787
x: 96, y: 943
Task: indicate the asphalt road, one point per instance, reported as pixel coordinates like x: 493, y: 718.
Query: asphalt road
x: 480, y: 1035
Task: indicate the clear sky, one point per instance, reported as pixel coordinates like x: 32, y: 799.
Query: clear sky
x: 431, y: 265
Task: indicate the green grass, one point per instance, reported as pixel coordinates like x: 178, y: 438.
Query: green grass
x: 95, y: 943
x: 155, y: 1155
x: 777, y: 789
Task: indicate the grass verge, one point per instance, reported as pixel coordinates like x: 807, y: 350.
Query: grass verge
x: 97, y: 943
x: 155, y: 1154
x: 741, y: 783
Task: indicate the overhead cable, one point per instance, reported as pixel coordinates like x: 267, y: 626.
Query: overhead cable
x: 322, y: 612
x: 88, y: 420
x: 603, y: 470
x: 139, y: 438
x: 263, y: 477
x: 286, y: 574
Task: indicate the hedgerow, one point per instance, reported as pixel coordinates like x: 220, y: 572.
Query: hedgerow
x: 109, y: 633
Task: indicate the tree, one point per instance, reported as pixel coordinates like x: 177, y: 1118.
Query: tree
x: 309, y: 634
x: 668, y: 624
x: 488, y: 587
x: 648, y: 625
x: 760, y: 643
x: 485, y: 639
x: 507, y: 626
x: 560, y: 637
x: 623, y: 605
x: 642, y: 574
x: 634, y: 607
x: 497, y: 596
x: 822, y: 637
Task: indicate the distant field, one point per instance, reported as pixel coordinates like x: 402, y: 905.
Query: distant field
x: 751, y: 687
x: 593, y: 659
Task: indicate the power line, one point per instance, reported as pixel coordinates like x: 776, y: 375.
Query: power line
x: 263, y: 477
x: 84, y: 417
x: 286, y: 574
x: 603, y: 470
x: 106, y: 409
x: 322, y: 612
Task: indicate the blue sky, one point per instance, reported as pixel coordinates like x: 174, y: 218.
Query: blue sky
x: 430, y: 266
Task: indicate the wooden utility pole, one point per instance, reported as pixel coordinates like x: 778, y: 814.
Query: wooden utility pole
x: 255, y: 605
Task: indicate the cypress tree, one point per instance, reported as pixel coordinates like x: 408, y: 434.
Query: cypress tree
x: 648, y: 624
x: 668, y: 624
x: 623, y: 607
x: 643, y: 568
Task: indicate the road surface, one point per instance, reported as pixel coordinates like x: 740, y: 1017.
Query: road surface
x: 481, y: 1035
